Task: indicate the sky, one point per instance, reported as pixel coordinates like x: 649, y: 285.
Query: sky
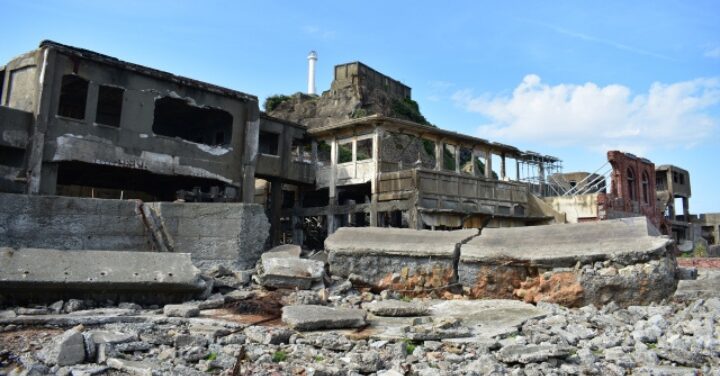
x: 572, y: 79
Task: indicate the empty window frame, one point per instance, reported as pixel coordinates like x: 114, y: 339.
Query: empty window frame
x: 448, y: 156
x: 632, y: 188
x: 175, y: 117
x: 364, y: 149
x: 109, y: 105
x: 345, y: 152
x: 73, y: 97
x: 466, y: 158
x: 645, y: 187
x: 268, y: 143
x: 324, y: 151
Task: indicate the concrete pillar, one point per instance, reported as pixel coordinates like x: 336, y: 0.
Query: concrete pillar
x: 332, y: 189
x: 473, y: 165
x: 502, y: 166
x: 671, y: 206
x: 377, y: 136
x: 438, y: 154
x: 686, y: 209
x: 297, y: 221
x: 91, y: 104
x: 314, y: 156
x: 488, y: 164
x: 541, y: 178
x: 457, y: 159
x: 275, y: 209
x: 42, y: 115
x: 48, y: 179
x: 249, y: 162
x: 517, y: 170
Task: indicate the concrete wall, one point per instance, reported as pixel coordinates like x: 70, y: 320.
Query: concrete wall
x: 575, y: 208
x: 69, y: 223
x: 231, y: 234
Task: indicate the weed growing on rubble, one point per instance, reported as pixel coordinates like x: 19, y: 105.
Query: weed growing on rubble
x: 211, y: 356
x: 279, y: 356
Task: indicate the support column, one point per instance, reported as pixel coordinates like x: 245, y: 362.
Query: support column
x: 541, y: 178
x: 473, y: 165
x: 249, y: 162
x: 438, y: 155
x: 686, y: 209
x: 48, y: 179
x: 502, y: 166
x: 332, y: 189
x: 517, y: 170
x: 376, y: 176
x: 297, y: 221
x: 488, y: 164
x: 275, y: 211
x: 457, y: 159
x: 33, y: 171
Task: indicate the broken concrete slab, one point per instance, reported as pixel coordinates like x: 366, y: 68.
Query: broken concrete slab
x: 47, y: 274
x: 67, y: 349
x: 399, y: 259
x: 285, y: 250
x: 290, y: 272
x: 139, y: 368
x: 313, y: 317
x: 396, y: 308
x: 572, y: 264
x: 704, y: 287
x: 181, y: 310
x: 529, y: 353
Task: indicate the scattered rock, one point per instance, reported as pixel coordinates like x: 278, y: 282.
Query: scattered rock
x: 395, y: 308
x: 181, y: 310
x: 313, y: 317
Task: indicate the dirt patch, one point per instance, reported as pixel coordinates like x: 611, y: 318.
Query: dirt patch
x: 561, y: 288
x: 419, y: 282
x: 499, y: 281
x: 699, y: 262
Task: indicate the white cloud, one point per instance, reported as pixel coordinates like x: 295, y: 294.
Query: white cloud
x: 318, y: 32
x: 607, y: 117
x: 713, y: 52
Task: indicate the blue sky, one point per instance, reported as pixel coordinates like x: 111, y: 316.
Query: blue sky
x: 567, y: 78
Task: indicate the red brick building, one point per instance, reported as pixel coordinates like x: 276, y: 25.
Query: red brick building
x: 632, y: 189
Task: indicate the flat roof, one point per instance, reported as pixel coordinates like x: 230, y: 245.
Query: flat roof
x: 421, y: 128
x: 666, y: 167
x: 152, y: 72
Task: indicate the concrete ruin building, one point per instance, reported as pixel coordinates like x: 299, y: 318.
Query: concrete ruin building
x: 632, y: 191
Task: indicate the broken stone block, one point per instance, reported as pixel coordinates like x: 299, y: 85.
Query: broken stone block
x: 285, y: 250
x: 529, y: 353
x: 181, y: 310
x: 290, y: 272
x: 395, y: 308
x: 140, y: 368
x: 66, y: 349
x: 313, y: 317
x: 395, y: 258
x: 268, y: 336
x: 571, y: 264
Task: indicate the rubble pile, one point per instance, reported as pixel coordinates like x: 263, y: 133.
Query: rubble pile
x: 342, y: 330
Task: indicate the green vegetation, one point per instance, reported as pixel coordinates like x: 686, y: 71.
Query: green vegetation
x: 407, y: 108
x: 273, y: 101
x: 406, y: 298
x: 651, y: 346
x: 319, y: 358
x: 359, y: 113
x: 279, y: 356
x: 211, y: 356
x: 410, y: 345
x: 700, y: 250
x: 480, y: 167
x: 345, y: 152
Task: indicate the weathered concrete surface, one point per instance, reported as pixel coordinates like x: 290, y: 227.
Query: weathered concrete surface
x: 313, y: 317
x: 398, y: 259
x: 229, y: 234
x: 290, y: 272
x: 27, y: 274
x: 396, y: 308
x: 574, y: 265
x: 71, y: 223
x: 704, y: 287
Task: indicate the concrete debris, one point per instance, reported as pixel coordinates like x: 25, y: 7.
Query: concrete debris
x: 394, y: 308
x: 398, y: 259
x: 67, y: 349
x: 312, y: 317
x: 27, y: 274
x: 181, y: 310
x: 284, y: 269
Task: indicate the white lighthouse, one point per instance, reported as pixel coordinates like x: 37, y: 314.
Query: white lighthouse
x: 312, y: 58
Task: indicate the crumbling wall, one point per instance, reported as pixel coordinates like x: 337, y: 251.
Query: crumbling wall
x: 407, y: 150
x: 71, y: 223
x: 232, y: 234
x: 229, y: 234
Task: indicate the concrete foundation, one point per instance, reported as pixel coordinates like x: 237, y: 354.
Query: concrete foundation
x: 400, y: 259
x: 28, y: 274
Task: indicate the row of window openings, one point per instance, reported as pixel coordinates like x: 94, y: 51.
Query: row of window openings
x: 645, y: 184
x: 172, y: 117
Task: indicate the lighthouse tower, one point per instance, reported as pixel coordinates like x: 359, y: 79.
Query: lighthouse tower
x: 312, y: 58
